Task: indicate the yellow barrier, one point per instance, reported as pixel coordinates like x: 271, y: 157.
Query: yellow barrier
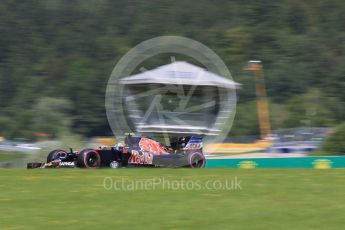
x: 105, y: 141
x: 237, y: 147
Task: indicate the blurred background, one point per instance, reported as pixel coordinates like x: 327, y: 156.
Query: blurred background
x: 56, y: 57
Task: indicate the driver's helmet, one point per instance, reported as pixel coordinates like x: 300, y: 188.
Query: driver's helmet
x: 119, y: 146
x: 182, y: 142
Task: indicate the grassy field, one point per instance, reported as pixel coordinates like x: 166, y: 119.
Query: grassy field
x: 261, y: 199
x: 8, y: 156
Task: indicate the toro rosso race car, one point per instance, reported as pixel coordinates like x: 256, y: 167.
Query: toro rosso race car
x: 135, y: 152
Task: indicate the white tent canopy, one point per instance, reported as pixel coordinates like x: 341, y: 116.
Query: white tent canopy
x: 180, y: 73
x: 201, y: 103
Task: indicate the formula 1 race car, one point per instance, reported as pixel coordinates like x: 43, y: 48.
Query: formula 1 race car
x: 136, y: 151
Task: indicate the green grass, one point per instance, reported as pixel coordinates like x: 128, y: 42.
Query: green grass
x: 76, y: 199
x: 9, y: 156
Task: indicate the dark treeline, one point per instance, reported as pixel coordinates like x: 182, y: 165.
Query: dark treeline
x: 56, y: 57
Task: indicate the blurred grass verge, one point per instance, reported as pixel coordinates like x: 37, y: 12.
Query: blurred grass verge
x: 10, y: 156
x: 268, y: 199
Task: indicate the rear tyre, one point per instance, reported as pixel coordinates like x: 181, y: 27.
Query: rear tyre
x: 196, y: 160
x: 89, y: 158
x: 57, y: 154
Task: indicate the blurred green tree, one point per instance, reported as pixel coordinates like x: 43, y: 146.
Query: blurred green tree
x: 335, y: 143
x: 52, y: 115
x: 68, y: 49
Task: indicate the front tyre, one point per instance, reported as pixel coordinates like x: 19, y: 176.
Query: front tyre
x: 89, y: 158
x: 57, y: 154
x: 196, y: 160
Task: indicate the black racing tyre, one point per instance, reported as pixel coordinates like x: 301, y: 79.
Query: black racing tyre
x: 196, y: 160
x: 89, y: 158
x: 56, y: 155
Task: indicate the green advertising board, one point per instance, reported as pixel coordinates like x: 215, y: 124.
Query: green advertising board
x: 289, y: 162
